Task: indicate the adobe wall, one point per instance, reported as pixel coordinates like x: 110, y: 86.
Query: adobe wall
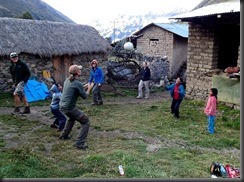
x: 201, y: 58
x: 162, y: 47
x: 179, y: 54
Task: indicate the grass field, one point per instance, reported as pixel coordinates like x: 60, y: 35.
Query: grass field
x: 143, y: 137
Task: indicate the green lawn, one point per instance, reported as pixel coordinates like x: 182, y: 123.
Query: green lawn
x: 144, y: 138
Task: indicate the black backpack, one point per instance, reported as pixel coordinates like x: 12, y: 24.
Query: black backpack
x: 218, y: 170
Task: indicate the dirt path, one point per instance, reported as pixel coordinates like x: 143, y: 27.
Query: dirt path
x: 42, y: 114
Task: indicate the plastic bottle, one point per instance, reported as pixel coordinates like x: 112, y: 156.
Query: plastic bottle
x: 121, y: 170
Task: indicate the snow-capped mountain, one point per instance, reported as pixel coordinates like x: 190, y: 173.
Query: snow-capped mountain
x: 124, y: 25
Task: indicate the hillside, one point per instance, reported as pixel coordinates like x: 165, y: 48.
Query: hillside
x: 37, y: 8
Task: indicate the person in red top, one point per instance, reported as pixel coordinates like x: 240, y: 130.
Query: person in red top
x: 211, y: 108
x: 177, y: 92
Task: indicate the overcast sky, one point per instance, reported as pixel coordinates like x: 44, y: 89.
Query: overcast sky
x: 84, y: 11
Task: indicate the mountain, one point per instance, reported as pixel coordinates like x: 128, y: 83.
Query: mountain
x: 115, y: 28
x: 37, y: 8
x: 210, y: 2
x: 124, y: 25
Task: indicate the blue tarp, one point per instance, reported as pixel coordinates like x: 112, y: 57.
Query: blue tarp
x: 35, y: 91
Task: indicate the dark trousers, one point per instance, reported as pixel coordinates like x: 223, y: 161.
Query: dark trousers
x: 96, y: 92
x: 77, y: 115
x: 60, y: 118
x: 175, y: 106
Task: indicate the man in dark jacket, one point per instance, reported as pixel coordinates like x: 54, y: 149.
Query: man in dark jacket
x: 144, y: 81
x: 20, y: 75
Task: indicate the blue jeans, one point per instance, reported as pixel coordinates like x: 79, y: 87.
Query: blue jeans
x: 60, y: 118
x: 211, y: 121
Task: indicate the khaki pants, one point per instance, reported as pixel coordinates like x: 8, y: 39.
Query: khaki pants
x: 144, y: 84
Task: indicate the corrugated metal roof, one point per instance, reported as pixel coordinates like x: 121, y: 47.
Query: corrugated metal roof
x: 176, y: 28
x: 220, y: 8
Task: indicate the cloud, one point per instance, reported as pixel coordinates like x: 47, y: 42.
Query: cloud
x: 85, y: 11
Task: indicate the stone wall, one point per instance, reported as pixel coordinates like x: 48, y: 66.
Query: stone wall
x: 37, y: 64
x: 159, y: 67
x: 201, y: 58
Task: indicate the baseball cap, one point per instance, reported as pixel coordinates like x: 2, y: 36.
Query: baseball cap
x: 74, y: 68
x: 13, y: 55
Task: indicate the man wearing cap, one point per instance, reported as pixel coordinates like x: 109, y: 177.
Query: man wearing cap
x: 72, y: 90
x: 20, y: 75
x: 96, y: 77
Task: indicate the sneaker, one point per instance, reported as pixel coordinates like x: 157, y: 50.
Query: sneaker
x: 146, y: 97
x: 64, y: 137
x: 138, y: 97
x: 16, y: 111
x: 26, y: 110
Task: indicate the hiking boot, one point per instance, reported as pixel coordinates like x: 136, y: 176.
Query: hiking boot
x: 26, y: 110
x: 138, y: 97
x: 64, y: 137
x: 16, y: 111
x: 81, y: 147
x: 53, y: 126
x: 100, y: 103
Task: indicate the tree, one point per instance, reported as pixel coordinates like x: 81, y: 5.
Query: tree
x: 108, y: 39
x: 26, y: 15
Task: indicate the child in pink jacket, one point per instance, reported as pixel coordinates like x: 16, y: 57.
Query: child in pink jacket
x: 211, y: 108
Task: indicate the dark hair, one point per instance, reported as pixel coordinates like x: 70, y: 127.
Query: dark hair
x: 182, y: 82
x: 215, y: 92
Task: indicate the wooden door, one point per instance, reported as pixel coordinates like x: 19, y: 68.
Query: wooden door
x: 61, y: 66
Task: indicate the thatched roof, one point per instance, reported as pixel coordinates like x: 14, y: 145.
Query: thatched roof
x: 45, y: 38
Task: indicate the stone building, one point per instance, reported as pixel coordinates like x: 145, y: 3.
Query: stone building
x: 166, y: 40
x: 51, y: 46
x: 213, y: 45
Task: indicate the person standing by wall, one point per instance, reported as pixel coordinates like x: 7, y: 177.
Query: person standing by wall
x: 210, y: 109
x: 72, y: 90
x: 20, y: 74
x: 60, y: 119
x: 97, y: 77
x: 144, y: 81
x: 177, y: 92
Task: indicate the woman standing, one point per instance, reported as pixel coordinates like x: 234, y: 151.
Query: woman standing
x: 97, y: 77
